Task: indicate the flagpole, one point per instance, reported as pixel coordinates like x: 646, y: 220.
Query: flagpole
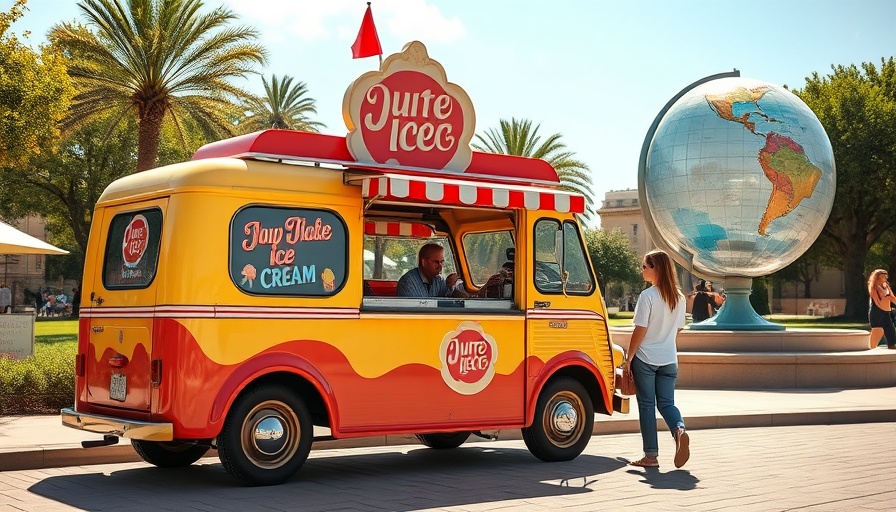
x: 380, y: 55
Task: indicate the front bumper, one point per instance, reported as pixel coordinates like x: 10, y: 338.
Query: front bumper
x: 108, y: 425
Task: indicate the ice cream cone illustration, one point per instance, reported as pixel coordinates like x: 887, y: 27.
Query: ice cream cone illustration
x: 329, y: 279
x: 249, y: 274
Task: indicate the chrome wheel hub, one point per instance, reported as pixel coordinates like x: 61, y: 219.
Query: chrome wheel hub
x: 564, y: 418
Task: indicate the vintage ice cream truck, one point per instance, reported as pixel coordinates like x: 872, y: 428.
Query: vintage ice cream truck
x: 245, y: 301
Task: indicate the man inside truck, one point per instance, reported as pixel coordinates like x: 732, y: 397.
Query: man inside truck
x: 426, y: 280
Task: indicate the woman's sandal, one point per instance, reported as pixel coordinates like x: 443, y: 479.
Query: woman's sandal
x: 682, y: 448
x: 645, y: 462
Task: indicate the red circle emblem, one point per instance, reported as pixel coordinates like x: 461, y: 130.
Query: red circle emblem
x: 410, y: 119
x: 136, y: 238
x: 468, y: 356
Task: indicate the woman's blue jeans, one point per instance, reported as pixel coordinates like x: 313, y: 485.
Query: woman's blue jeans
x: 655, y: 390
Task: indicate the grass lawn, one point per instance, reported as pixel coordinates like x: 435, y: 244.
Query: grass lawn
x: 56, y: 332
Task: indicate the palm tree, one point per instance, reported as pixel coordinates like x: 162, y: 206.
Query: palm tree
x: 283, y: 106
x: 157, y: 58
x: 517, y: 137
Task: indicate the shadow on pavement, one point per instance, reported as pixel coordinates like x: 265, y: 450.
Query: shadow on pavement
x: 403, y: 479
x: 679, y: 479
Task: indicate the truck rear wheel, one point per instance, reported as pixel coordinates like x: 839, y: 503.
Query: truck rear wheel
x: 267, y: 436
x: 444, y: 441
x: 564, y: 419
x: 168, y: 455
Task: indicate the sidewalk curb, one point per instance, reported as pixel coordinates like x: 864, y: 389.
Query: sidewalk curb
x: 73, y: 455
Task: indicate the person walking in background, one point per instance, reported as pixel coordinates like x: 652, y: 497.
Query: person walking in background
x: 38, y: 302
x: 702, y: 306
x: 653, y: 357
x: 5, y: 299
x: 76, y: 302
x: 882, y: 300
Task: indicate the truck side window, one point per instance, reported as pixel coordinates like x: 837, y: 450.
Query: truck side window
x: 547, y: 268
x: 548, y: 272
x: 132, y: 249
x: 580, y: 278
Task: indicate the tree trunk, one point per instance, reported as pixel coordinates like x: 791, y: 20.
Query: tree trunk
x: 150, y: 135
x: 378, y: 252
x: 855, y: 285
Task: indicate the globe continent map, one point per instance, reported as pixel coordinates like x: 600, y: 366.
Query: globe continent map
x: 739, y: 177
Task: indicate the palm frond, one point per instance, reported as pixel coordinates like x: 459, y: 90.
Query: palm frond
x: 285, y: 106
x: 158, y: 57
x: 518, y: 137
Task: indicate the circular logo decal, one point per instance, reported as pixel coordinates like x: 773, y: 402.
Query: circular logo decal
x: 136, y: 238
x: 468, y: 358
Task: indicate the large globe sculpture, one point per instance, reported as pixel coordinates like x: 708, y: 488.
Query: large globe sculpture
x: 736, y: 181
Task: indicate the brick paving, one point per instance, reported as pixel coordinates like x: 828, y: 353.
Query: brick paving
x: 782, y: 468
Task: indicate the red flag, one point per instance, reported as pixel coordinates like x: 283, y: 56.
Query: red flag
x: 367, y: 44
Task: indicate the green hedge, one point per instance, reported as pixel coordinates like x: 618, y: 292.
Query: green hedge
x: 45, y: 383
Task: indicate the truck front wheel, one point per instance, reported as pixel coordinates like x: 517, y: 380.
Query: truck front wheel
x: 267, y: 436
x: 564, y: 419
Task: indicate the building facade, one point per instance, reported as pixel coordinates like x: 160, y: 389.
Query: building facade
x: 621, y: 210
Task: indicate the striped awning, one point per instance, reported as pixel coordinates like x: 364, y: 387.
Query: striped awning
x: 405, y: 229
x: 427, y: 189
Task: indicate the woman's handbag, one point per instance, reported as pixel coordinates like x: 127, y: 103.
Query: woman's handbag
x: 627, y: 382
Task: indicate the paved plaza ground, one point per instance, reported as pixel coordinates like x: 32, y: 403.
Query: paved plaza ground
x: 814, y: 467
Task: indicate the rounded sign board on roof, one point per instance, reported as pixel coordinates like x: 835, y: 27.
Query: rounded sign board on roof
x: 408, y: 114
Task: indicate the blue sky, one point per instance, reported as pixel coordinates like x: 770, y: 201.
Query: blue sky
x: 597, y: 72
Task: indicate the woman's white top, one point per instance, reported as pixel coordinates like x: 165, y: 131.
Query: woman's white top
x: 662, y: 324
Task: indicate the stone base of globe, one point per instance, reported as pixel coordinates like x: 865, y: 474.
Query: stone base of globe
x: 737, y: 314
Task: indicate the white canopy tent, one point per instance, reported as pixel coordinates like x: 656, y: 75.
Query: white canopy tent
x: 13, y: 241
x: 17, y: 330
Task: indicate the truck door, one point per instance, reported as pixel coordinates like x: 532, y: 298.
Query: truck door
x: 120, y: 285
x: 564, y: 307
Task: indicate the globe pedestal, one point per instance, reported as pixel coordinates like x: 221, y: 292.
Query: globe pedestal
x: 737, y: 314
